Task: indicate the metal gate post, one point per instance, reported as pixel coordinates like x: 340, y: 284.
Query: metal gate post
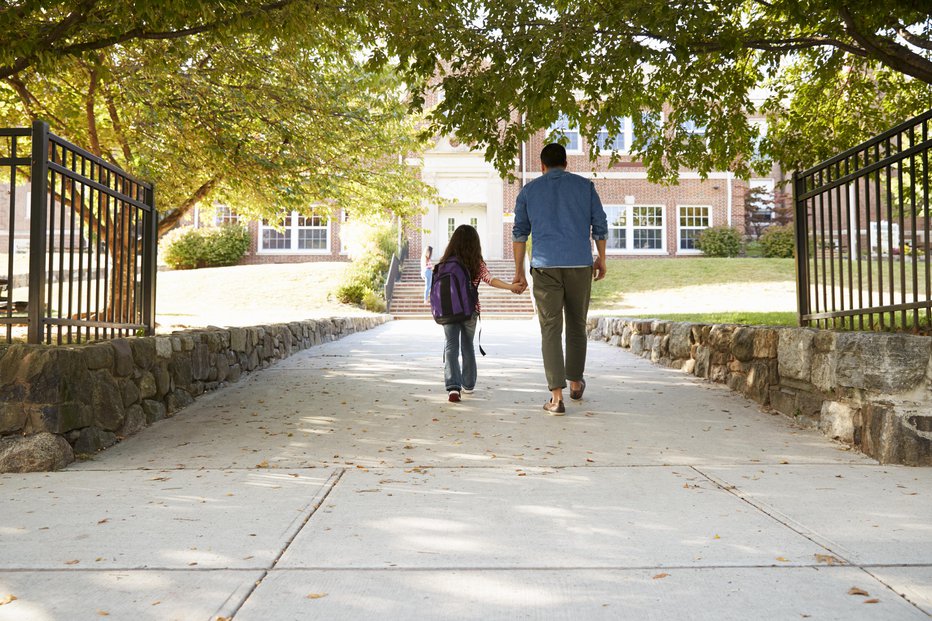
x: 37, y: 233
x: 801, y: 222
x: 150, y: 253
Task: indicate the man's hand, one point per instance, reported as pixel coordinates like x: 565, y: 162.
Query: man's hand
x: 521, y: 281
x: 598, y: 268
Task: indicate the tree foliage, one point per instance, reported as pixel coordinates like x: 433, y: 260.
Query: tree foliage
x: 236, y: 113
x: 508, y: 68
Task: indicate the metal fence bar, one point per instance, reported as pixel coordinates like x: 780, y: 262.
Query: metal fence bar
x: 39, y: 194
x: 863, y: 234
x: 92, y: 244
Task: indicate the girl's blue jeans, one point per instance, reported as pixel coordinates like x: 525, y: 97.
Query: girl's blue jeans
x: 459, y: 341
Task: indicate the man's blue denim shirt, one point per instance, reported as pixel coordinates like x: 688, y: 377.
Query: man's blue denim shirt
x: 563, y: 212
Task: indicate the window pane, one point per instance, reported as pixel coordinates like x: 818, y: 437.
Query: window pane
x: 648, y: 239
x: 616, y: 239
x: 688, y: 238
x: 474, y: 222
x: 451, y: 226
x: 275, y: 240
x: 615, y: 144
x: 562, y: 128
x: 647, y: 216
x: 312, y: 239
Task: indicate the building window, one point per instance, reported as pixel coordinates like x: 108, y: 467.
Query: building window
x: 620, y: 143
x: 617, y: 227
x: 635, y: 228
x: 296, y: 233
x: 647, y: 227
x: 691, y: 127
x: 562, y: 128
x: 474, y: 223
x: 223, y: 215
x: 693, y: 220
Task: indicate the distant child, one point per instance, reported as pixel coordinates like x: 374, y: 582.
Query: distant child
x: 465, y: 246
x: 427, y: 271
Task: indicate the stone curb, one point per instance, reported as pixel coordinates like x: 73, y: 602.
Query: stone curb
x: 58, y: 401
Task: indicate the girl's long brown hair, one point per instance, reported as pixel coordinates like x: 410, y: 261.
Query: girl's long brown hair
x: 465, y: 246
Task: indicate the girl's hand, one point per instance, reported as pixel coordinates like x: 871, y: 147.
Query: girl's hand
x: 517, y: 287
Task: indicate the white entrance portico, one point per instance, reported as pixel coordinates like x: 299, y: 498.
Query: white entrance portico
x: 475, y: 190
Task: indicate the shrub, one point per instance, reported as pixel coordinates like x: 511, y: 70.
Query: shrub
x: 189, y: 248
x: 184, y: 248
x: 364, y: 280
x: 778, y: 241
x: 226, y: 245
x: 719, y: 241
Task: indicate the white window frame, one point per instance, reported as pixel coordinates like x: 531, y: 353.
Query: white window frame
x: 630, y: 228
x: 224, y: 215
x: 679, y: 227
x: 556, y: 127
x: 292, y: 233
x: 627, y: 133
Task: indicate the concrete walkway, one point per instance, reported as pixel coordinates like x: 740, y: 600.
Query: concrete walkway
x: 340, y: 484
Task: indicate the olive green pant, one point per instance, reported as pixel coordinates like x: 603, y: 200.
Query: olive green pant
x: 562, y: 292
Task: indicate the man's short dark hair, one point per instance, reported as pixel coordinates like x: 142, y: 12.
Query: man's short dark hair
x: 553, y: 155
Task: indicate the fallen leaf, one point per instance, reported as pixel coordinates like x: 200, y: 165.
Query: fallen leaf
x: 103, y: 613
x: 783, y: 560
x: 6, y: 599
x: 72, y: 562
x: 316, y: 595
x: 872, y: 601
x: 828, y: 559
x: 857, y: 591
x: 660, y: 576
x: 716, y: 537
x: 784, y: 462
x: 263, y: 464
x: 103, y: 521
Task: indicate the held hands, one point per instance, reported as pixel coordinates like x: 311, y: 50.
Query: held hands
x: 598, y: 268
x: 519, y: 284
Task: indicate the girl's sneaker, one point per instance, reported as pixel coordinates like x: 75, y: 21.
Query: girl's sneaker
x: 454, y: 396
x: 468, y: 391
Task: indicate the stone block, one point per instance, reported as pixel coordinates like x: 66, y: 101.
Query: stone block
x: 143, y: 352
x: 163, y: 347
x: 689, y: 366
x: 176, y: 343
x: 93, y: 439
x: 153, y: 410
x: 742, y: 343
x: 885, y: 363
x: 720, y: 337
x: 718, y: 373
x: 680, y: 340
x: 824, y: 341
x: 758, y: 382
x: 823, y: 370
x: 765, y: 343
x: 122, y: 357
x: 703, y: 354
x: 187, y: 342
x: 39, y: 452
x: 177, y: 399
x: 181, y: 371
x: 236, y: 372
x: 163, y: 380
x: 783, y: 400
x: 147, y: 385
x: 12, y: 416
x: 131, y: 392
x: 200, y: 361
x: 134, y: 420
x: 63, y: 417
x: 794, y: 352
x: 98, y: 356
x: 106, y: 401
x: 808, y: 408
x: 897, y: 434
x: 838, y: 421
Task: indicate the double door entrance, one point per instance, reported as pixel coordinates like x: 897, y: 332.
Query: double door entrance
x: 452, y: 217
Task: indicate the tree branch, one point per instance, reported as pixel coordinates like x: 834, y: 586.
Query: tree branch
x: 46, y: 44
x: 90, y: 115
x: 118, y: 128
x: 168, y: 221
x: 888, y: 52
x: 914, y: 39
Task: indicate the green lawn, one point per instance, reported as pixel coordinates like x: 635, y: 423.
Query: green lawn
x: 752, y: 319
x: 631, y: 275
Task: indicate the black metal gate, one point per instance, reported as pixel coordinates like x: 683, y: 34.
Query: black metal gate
x: 81, y: 243
x: 862, y: 234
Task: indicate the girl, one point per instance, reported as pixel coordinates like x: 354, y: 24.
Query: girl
x: 465, y: 246
x: 427, y: 271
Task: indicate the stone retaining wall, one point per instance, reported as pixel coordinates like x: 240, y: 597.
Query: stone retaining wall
x: 56, y: 402
x: 870, y: 390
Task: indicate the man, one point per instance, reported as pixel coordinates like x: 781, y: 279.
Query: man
x: 563, y: 212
